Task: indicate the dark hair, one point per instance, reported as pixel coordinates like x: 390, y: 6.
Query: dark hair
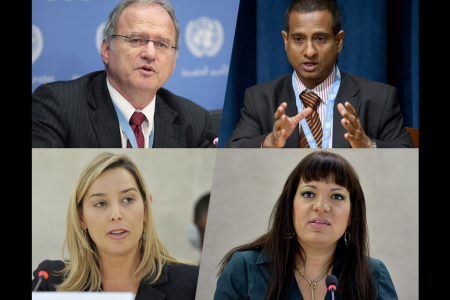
x: 355, y: 280
x: 201, y: 207
x: 307, y: 6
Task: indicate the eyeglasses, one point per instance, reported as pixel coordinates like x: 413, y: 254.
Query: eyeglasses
x: 137, y: 40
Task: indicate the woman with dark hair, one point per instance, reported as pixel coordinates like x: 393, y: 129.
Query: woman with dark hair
x: 317, y: 228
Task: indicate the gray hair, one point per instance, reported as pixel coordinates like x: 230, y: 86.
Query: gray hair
x: 111, y: 23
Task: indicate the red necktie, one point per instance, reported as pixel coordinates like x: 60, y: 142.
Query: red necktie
x: 311, y: 100
x: 136, y: 120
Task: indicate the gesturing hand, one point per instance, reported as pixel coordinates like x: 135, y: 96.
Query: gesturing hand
x: 355, y: 133
x: 283, y: 126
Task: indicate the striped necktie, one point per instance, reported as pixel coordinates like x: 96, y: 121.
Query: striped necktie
x: 135, y: 121
x: 311, y: 100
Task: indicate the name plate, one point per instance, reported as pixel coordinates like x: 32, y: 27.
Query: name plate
x: 82, y: 296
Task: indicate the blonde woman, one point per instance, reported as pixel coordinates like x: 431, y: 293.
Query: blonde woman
x: 112, y: 239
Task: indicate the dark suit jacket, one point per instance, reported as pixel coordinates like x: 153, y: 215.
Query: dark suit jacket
x: 80, y: 114
x: 246, y: 276
x: 177, y: 281
x: 375, y: 103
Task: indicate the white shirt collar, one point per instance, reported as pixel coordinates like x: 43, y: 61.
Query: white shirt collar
x: 321, y: 89
x: 127, y: 109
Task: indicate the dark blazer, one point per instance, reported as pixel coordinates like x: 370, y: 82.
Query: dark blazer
x: 80, y: 114
x: 246, y: 277
x: 375, y: 103
x: 177, y: 281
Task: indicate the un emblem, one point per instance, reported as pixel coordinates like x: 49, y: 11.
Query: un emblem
x: 327, y: 125
x: 99, y: 36
x: 204, y: 36
x: 37, y: 43
x: 310, y: 137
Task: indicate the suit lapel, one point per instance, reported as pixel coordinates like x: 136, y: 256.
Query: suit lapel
x: 167, y: 133
x: 266, y: 276
x: 285, y: 93
x: 103, y: 118
x: 148, y: 292
x: 348, y: 92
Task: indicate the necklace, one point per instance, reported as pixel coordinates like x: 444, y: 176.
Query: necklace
x: 314, y: 283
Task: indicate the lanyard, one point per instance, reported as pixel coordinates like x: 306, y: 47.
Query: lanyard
x: 328, y: 114
x: 129, y: 132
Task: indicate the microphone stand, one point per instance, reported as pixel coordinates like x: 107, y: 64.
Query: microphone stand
x: 41, y: 277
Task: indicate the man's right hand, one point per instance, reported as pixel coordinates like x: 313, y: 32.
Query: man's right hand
x: 283, y: 126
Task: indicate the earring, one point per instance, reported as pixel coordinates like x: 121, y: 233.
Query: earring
x: 144, y: 235
x: 347, y: 237
x: 84, y: 231
x: 291, y: 235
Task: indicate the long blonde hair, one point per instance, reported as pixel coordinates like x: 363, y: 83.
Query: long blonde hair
x: 83, y: 269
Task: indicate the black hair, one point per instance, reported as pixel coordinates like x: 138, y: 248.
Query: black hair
x: 307, y: 6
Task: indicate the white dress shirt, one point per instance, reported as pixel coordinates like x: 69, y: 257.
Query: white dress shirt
x: 127, y: 110
x: 322, y: 90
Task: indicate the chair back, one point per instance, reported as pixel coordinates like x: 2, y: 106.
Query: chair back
x: 414, y: 135
x: 216, y: 117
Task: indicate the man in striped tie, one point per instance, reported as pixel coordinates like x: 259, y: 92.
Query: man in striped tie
x: 299, y: 109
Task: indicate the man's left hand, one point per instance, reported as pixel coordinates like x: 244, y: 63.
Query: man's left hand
x: 355, y: 133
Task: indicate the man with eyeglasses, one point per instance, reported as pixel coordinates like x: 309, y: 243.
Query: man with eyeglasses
x: 125, y: 105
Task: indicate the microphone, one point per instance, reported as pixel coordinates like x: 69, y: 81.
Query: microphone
x: 211, y: 136
x: 45, y: 268
x: 332, y: 283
